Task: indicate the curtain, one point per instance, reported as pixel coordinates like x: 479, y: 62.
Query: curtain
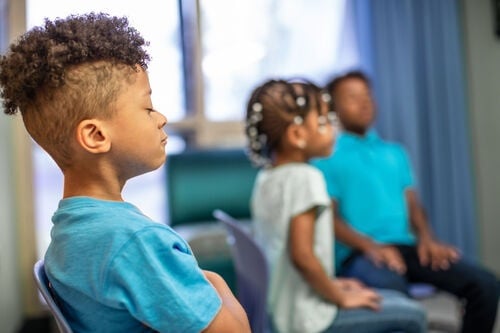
x: 412, y: 50
x: 4, y: 20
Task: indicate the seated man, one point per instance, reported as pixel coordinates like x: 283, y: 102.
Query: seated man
x: 387, y: 241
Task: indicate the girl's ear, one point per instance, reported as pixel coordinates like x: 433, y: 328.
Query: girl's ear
x: 92, y: 135
x: 296, y: 136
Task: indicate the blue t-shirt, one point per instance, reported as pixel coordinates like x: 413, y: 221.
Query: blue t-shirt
x: 115, y: 270
x: 367, y: 177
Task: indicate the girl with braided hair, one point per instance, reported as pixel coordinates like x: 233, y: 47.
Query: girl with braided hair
x: 288, y: 123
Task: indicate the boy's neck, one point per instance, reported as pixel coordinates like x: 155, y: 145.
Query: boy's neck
x: 91, y: 184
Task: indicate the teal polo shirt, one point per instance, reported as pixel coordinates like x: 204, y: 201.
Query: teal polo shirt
x: 367, y: 177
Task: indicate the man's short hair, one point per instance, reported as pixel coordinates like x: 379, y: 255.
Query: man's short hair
x: 333, y: 84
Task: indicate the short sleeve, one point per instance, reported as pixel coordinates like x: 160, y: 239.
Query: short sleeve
x: 157, y: 279
x: 327, y: 168
x: 308, y: 191
x: 406, y: 172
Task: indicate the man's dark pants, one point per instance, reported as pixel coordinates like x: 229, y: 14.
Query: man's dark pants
x: 476, y: 286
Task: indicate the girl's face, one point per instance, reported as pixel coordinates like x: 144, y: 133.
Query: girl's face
x: 320, y: 132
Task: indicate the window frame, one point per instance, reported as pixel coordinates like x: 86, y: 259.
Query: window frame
x: 196, y: 128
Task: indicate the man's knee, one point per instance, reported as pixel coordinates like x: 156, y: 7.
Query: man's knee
x: 378, y: 277
x: 478, y: 286
x: 392, y: 281
x: 487, y: 286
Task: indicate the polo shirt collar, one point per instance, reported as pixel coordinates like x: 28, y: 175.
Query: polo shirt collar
x: 348, y: 138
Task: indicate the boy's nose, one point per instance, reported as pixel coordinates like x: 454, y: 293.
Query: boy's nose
x: 162, y: 120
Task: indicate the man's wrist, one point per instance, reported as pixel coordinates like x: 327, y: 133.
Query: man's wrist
x: 425, y: 238
x: 367, y: 245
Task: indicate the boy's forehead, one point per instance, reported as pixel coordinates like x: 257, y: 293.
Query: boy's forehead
x: 95, y: 68
x: 138, y: 80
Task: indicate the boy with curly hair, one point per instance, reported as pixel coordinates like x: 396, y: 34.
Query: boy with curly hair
x: 82, y: 88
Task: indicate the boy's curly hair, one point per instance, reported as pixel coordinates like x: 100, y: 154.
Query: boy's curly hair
x: 68, y: 70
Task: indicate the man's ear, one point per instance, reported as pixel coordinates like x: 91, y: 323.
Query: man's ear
x: 296, y: 136
x: 92, y: 135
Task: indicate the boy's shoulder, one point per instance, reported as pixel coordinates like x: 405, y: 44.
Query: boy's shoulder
x: 86, y: 219
x: 88, y: 210
x: 105, y: 230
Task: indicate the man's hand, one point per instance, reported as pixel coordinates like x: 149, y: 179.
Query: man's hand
x: 437, y: 255
x: 387, y: 255
x: 430, y: 252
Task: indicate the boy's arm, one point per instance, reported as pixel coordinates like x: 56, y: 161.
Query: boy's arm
x: 232, y: 316
x: 378, y: 253
x: 301, y: 251
x: 430, y: 251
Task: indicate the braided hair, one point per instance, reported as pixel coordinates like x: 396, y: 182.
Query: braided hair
x: 271, y: 108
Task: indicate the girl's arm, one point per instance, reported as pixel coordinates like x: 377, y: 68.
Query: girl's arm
x: 301, y: 251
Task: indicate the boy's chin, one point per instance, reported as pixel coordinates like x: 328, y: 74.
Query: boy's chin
x: 151, y: 167
x: 161, y: 163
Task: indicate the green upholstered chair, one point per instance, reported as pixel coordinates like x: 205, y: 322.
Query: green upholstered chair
x: 199, y: 181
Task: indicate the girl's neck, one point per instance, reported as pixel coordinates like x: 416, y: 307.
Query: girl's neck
x: 295, y: 156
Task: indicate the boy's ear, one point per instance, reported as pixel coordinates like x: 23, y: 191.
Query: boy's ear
x: 92, y: 135
x: 296, y: 136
